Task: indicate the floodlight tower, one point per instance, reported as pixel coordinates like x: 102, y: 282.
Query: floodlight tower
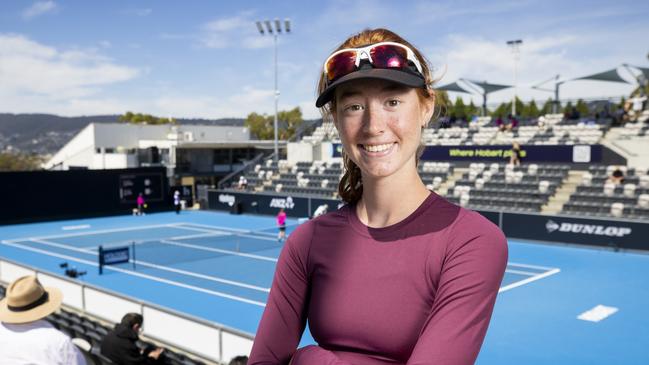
x: 515, y: 44
x: 274, y: 32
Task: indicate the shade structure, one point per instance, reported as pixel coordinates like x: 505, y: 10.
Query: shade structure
x: 454, y: 87
x: 489, y: 88
x: 610, y: 75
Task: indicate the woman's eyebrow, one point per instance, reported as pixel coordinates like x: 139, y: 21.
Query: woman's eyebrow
x: 349, y: 93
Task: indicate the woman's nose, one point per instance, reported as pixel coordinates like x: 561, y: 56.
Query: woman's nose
x: 375, y: 120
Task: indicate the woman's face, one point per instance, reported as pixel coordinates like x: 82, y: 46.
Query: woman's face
x: 380, y: 124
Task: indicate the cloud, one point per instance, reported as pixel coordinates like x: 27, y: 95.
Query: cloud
x: 39, y: 8
x: 236, y: 105
x: 44, y: 75
x: 237, y: 31
x: 480, y: 59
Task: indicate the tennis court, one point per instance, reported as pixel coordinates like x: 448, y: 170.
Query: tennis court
x: 219, y: 267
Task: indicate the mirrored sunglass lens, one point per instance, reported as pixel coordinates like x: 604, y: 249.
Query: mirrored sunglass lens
x: 341, y: 64
x: 389, y: 56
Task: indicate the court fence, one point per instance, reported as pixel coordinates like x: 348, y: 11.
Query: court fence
x: 601, y: 232
x: 194, y: 335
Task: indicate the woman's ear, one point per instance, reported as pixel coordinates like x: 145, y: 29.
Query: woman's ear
x: 427, y: 112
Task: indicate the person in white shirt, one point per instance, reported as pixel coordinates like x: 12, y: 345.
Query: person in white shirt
x: 322, y: 209
x: 25, y: 337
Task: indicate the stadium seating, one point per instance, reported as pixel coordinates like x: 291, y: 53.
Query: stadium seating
x: 320, y: 178
x: 595, y: 197
x: 501, y: 186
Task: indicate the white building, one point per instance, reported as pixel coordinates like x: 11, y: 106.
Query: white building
x: 197, y: 148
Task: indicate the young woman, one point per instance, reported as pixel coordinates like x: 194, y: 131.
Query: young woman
x: 398, y: 275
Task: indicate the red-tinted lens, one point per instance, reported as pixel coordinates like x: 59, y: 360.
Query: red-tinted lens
x: 341, y: 64
x: 389, y: 56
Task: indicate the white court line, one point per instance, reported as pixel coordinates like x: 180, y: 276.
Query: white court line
x: 237, y: 229
x: 71, y: 228
x: 70, y: 248
x: 201, y: 276
x: 211, y: 249
x: 112, y: 230
x: 521, y: 272
x: 164, y: 268
x: 528, y: 280
x: 200, y: 235
x: 132, y: 273
x: 531, y: 266
x: 216, y: 227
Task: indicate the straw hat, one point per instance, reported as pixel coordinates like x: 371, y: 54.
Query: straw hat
x: 27, y: 301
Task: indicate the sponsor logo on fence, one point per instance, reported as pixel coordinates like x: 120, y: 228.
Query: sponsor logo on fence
x: 595, y: 229
x: 286, y: 203
x: 226, y: 198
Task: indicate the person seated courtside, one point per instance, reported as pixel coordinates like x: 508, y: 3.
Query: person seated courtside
x: 120, y: 346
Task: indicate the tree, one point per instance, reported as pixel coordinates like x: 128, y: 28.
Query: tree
x: 262, y: 126
x: 547, y: 106
x: 140, y: 118
x: 567, y: 108
x: 530, y: 110
x: 19, y: 162
x: 582, y: 108
x: 471, y: 110
x: 459, y: 109
x: 501, y: 111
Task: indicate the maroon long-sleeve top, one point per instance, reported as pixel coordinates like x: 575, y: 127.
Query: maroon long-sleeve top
x: 417, y: 292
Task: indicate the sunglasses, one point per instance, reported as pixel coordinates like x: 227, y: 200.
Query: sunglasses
x: 387, y: 55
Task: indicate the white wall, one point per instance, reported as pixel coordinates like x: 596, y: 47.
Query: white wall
x: 299, y: 151
x: 77, y: 152
x: 113, y: 161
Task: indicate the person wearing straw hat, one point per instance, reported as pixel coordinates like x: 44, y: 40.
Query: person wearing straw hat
x: 25, y: 337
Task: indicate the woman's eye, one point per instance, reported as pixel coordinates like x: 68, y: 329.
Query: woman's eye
x: 394, y: 102
x: 354, y: 108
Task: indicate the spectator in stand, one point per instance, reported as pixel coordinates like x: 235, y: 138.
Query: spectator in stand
x: 541, y: 123
x: 515, y: 158
x: 628, y: 111
x: 321, y: 210
x: 25, y: 337
x: 573, y: 114
x: 119, y: 345
x: 500, y: 123
x: 617, y: 177
x: 281, y: 224
x: 239, y: 360
x: 512, y: 122
x: 637, y: 107
x: 243, y: 183
x: 399, y: 274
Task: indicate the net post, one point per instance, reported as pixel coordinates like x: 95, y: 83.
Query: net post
x: 133, y: 250
x: 101, y: 260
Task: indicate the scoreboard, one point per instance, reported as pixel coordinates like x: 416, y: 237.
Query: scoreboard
x: 149, y: 184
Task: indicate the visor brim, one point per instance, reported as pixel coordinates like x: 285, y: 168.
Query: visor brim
x: 397, y: 76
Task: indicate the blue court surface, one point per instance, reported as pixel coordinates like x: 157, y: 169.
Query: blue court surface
x: 557, y: 304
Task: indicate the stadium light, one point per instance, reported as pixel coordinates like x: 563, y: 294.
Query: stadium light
x: 274, y: 32
x: 515, y: 44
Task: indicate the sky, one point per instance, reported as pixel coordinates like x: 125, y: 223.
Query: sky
x: 206, y: 58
